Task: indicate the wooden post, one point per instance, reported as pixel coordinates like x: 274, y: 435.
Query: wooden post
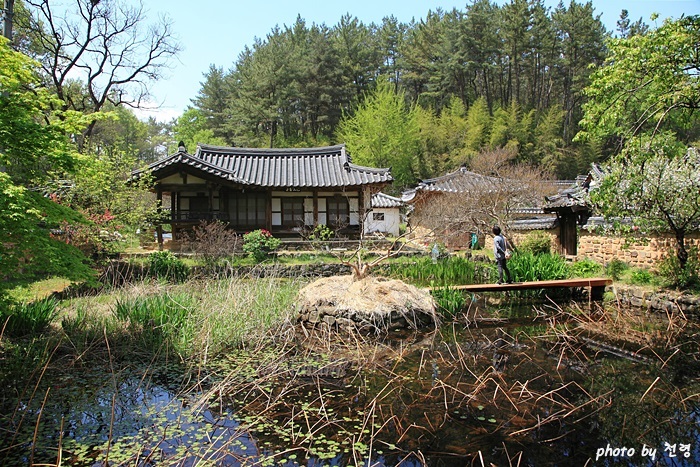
x: 159, y: 227
x: 315, y: 208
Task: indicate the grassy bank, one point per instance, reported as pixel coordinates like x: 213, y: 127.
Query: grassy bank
x: 194, y: 319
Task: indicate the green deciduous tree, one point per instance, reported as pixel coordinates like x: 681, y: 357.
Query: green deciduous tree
x: 648, y: 83
x: 384, y: 132
x: 645, y: 98
x: 28, y: 249
x: 192, y: 128
x: 33, y: 141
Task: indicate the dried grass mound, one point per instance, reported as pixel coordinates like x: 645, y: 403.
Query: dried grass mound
x: 371, y: 303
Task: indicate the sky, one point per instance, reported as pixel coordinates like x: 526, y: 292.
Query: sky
x: 214, y: 32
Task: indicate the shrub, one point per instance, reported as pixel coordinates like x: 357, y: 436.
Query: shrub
x: 165, y: 265
x: 615, y: 269
x: 28, y: 318
x: 641, y: 277
x: 673, y: 275
x: 213, y: 241
x: 585, y: 268
x: 536, y: 242
x: 321, y: 233
x: 259, y: 244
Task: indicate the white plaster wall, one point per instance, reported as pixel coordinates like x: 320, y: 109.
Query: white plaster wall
x: 390, y: 224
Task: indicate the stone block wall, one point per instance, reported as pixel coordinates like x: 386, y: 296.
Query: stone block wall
x: 648, y: 254
x: 604, y: 248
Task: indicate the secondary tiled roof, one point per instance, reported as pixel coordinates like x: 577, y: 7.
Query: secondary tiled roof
x: 535, y: 223
x: 574, y: 196
x: 382, y: 200
x: 459, y: 181
x: 329, y: 166
x: 465, y: 181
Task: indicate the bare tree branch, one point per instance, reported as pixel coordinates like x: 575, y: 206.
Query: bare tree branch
x: 490, y: 193
x: 106, y: 46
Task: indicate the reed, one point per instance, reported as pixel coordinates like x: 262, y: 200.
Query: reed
x: 23, y: 319
x: 541, y: 267
x: 450, y: 301
x: 196, y: 319
x: 160, y: 319
x: 423, y: 271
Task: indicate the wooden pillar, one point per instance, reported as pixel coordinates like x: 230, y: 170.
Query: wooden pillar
x: 210, y: 189
x: 315, y: 208
x: 364, y: 195
x: 159, y: 227
x: 268, y: 210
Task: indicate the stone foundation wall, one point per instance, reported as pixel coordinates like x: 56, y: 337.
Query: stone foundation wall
x: 669, y: 302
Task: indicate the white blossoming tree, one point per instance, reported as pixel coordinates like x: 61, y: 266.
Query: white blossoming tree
x: 655, y: 182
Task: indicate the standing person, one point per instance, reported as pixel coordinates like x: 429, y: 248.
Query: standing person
x: 499, y: 252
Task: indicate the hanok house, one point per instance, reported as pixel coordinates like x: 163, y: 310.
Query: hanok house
x: 281, y: 190
x: 471, y: 187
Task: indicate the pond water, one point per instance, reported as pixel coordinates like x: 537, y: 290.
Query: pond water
x: 502, y: 384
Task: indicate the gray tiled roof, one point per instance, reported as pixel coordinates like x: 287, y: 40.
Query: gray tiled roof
x: 382, y: 200
x: 536, y: 223
x: 321, y: 167
x: 572, y: 197
x: 459, y: 181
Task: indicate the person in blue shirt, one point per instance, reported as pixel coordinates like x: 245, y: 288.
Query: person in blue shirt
x: 499, y: 252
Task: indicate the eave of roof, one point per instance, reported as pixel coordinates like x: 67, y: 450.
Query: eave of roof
x: 382, y: 200
x: 459, y: 181
x: 322, y: 167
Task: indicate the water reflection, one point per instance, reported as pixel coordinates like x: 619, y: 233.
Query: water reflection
x: 504, y: 384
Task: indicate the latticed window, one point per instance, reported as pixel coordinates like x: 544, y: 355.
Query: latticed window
x: 292, y: 212
x: 338, y: 211
x: 248, y: 210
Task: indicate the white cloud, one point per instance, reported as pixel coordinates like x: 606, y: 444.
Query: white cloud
x: 161, y: 114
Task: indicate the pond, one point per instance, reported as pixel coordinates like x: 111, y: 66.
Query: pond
x: 503, y: 383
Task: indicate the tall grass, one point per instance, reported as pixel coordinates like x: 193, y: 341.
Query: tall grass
x: 525, y: 266
x: 192, y: 319
x: 449, y: 301
x: 160, y: 319
x: 28, y: 318
x: 423, y: 271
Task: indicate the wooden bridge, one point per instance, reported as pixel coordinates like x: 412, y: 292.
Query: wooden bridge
x: 596, y: 286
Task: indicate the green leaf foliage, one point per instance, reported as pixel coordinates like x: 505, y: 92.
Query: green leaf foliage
x: 29, y: 249
x: 165, y: 265
x: 527, y: 267
x: 259, y: 244
x: 655, y: 183
x: 477, y: 78
x: 384, y: 132
x: 649, y: 82
x: 29, y: 318
x: 33, y: 142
